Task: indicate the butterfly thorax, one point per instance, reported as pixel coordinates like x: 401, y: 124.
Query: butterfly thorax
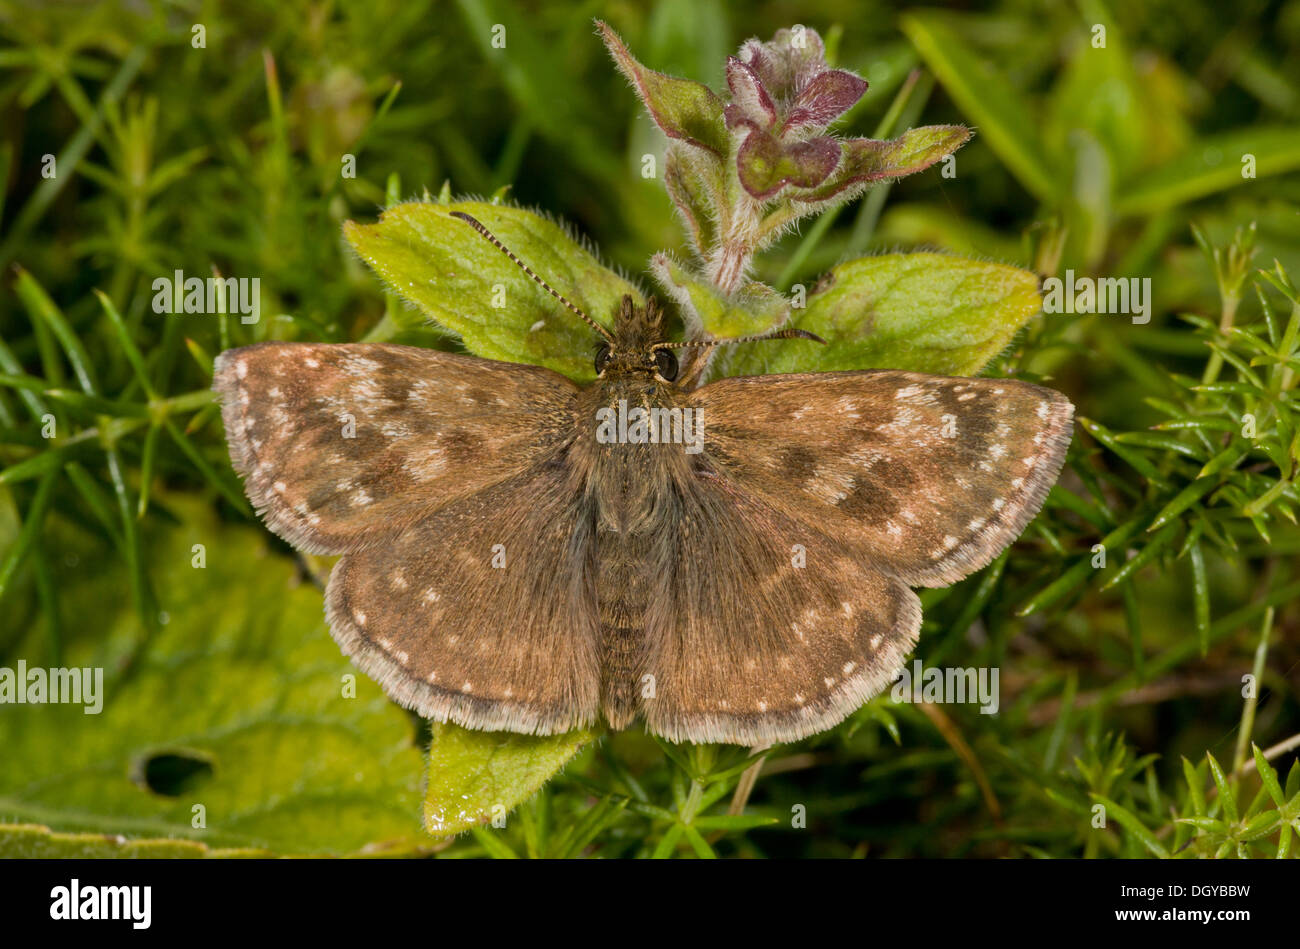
x: 637, y: 438
x: 635, y: 421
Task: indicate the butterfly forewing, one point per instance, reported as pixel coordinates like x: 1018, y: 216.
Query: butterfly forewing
x: 926, y: 477
x: 341, y: 446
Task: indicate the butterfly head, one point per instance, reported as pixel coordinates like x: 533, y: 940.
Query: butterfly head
x: 635, y: 346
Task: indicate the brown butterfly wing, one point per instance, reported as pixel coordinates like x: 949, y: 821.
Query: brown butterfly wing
x: 928, y: 477
x: 421, y: 466
x: 763, y: 629
x: 483, y: 612
x: 882, y: 481
x: 343, y: 445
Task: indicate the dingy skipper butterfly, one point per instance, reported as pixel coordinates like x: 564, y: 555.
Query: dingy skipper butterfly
x: 732, y: 562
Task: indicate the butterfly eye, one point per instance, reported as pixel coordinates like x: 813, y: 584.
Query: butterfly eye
x: 666, y: 364
x: 602, y: 357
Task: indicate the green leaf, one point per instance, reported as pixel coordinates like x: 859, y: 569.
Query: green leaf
x: 1154, y: 547
x: 683, y: 108
x: 1212, y: 165
x: 1200, y: 597
x: 694, y: 182
x: 1182, y: 501
x: 1133, y: 824
x: 1207, y: 824
x: 44, y: 311
x: 987, y: 99
x: 1260, y: 825
x: 454, y: 276
x: 1268, y: 776
x: 924, y: 312
x: 279, y: 757
x: 1194, y: 795
x: 734, y: 822
x: 1226, y: 793
x: 474, y: 776
x: 865, y: 160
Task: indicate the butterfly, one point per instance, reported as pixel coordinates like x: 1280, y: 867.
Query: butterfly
x: 517, y: 555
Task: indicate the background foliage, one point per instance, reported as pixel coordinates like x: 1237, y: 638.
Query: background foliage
x: 1121, y: 685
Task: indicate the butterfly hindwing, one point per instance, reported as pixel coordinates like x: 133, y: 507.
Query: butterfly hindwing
x: 927, y: 477
x: 482, y: 612
x: 763, y: 629
x: 343, y: 445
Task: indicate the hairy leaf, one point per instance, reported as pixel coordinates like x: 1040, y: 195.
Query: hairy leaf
x: 462, y: 282
x: 475, y: 777
x: 235, y: 712
x: 925, y: 312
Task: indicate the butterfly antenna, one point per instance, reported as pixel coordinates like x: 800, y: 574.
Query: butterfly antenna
x: 495, y: 242
x: 775, y: 334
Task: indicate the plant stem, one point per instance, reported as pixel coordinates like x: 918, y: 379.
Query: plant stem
x: 745, y: 786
